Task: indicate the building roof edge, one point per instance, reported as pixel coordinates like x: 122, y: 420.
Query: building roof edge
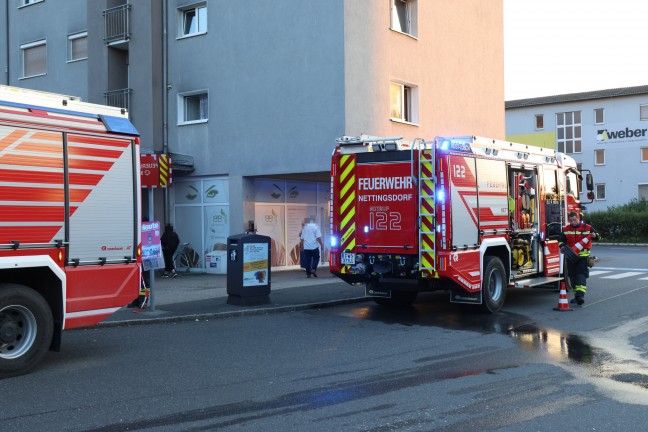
x: 571, y: 97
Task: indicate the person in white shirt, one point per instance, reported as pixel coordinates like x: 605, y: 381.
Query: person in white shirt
x: 311, y: 240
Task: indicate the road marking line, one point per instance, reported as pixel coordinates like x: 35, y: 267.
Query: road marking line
x: 613, y: 297
x: 598, y: 272
x: 622, y: 275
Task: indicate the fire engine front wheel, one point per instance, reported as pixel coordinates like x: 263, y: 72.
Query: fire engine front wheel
x: 493, y: 285
x: 26, y: 328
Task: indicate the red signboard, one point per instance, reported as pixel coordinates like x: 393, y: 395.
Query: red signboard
x: 155, y: 170
x: 149, y: 170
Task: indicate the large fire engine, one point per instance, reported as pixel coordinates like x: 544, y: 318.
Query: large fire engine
x: 69, y: 220
x: 470, y: 215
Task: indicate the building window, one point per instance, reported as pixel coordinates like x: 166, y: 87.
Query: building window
x: 404, y: 16
x: 600, y: 191
x: 77, y: 46
x: 403, y: 100
x: 193, y: 108
x: 568, y: 132
x: 643, y: 112
x: 193, y: 20
x: 644, y: 154
x: 34, y: 59
x: 599, y: 117
x: 539, y: 121
x: 643, y: 192
x: 599, y: 157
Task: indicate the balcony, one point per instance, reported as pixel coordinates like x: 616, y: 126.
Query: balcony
x: 117, y: 25
x: 118, y: 98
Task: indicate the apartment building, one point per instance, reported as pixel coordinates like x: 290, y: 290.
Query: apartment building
x: 248, y: 97
x: 605, y: 131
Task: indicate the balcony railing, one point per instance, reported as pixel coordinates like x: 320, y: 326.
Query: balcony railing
x: 118, y: 98
x: 117, y: 24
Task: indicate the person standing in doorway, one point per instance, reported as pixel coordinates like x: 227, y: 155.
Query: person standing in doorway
x: 169, y: 242
x: 311, y: 240
x: 577, y: 236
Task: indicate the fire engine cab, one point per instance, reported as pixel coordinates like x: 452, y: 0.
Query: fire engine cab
x: 470, y: 215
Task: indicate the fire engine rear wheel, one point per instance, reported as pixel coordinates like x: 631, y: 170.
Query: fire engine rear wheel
x: 493, y: 285
x: 398, y: 299
x: 26, y: 328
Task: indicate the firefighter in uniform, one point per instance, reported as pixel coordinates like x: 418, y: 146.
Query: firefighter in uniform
x: 577, y: 237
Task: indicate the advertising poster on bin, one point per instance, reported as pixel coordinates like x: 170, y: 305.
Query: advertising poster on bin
x: 255, y: 264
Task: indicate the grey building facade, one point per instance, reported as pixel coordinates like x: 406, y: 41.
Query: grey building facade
x: 605, y: 131
x: 249, y: 96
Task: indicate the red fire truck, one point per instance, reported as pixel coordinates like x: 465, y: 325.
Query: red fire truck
x: 69, y: 220
x: 470, y: 215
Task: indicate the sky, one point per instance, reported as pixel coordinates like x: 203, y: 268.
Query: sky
x: 567, y: 46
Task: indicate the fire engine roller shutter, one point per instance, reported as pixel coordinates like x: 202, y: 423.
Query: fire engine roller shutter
x: 102, y: 224
x: 493, y: 195
x: 464, y: 201
x: 347, y: 196
x: 32, y: 195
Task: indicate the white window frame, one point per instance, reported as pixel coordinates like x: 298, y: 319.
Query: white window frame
x: 23, y: 50
x: 643, y: 112
x: 576, y: 129
x: 24, y: 3
x: 541, y: 118
x: 641, y: 154
x: 70, y: 40
x: 182, y: 14
x: 639, y: 191
x: 182, y: 107
x: 410, y: 16
x: 597, y: 152
x: 596, y: 192
x: 409, y: 102
x: 602, y: 116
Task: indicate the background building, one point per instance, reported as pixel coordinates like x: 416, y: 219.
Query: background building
x: 249, y: 97
x: 605, y: 131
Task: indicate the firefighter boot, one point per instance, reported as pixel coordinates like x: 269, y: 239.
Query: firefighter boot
x: 579, y: 294
x: 579, y: 299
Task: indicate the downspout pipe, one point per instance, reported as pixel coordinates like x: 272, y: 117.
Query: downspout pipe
x: 165, y: 98
x: 7, y: 42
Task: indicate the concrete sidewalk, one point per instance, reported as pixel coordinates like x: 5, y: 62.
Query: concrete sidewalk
x: 202, y: 295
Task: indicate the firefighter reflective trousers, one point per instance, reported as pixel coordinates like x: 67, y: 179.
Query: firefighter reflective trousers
x: 578, y: 273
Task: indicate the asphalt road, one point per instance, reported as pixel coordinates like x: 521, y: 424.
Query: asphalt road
x: 432, y: 367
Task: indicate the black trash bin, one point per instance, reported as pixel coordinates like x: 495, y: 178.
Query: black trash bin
x: 248, y: 269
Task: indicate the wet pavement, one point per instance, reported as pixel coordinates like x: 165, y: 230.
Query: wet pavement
x: 203, y: 295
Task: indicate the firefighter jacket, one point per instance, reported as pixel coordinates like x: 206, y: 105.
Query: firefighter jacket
x: 579, y: 239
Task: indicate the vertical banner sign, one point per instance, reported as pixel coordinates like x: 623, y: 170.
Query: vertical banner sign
x: 165, y: 170
x: 151, y: 247
x: 255, y: 264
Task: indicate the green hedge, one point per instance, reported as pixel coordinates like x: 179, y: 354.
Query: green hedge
x: 627, y: 223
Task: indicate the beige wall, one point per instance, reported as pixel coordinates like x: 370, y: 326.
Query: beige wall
x: 457, y: 62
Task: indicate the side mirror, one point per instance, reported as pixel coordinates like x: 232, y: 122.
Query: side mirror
x: 590, y: 196
x: 589, y: 181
